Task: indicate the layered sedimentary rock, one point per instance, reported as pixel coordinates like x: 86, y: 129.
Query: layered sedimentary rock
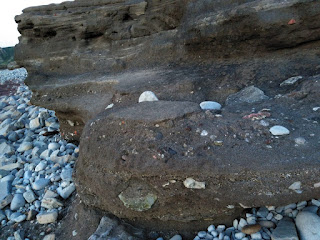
x: 168, y: 163
x: 81, y: 55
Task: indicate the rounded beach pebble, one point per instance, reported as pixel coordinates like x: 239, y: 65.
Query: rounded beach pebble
x: 148, y: 96
x: 209, y: 105
x: 279, y: 130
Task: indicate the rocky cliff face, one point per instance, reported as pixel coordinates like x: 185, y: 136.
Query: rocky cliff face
x: 81, y: 56
x: 152, y: 163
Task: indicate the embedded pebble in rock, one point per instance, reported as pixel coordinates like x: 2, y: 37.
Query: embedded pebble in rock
x: 290, y: 81
x: 308, y: 225
x: 47, y: 217
x: 300, y: 141
x: 148, y: 96
x: 204, y: 133
x: 249, y: 94
x: 279, y: 130
x: 17, y: 202
x: 296, y: 186
x: 209, y: 105
x: 193, y: 184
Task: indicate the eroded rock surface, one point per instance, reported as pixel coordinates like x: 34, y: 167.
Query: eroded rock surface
x: 82, y: 56
x: 151, y: 148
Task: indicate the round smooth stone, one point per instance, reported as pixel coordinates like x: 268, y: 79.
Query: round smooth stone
x: 210, y: 105
x: 279, y: 130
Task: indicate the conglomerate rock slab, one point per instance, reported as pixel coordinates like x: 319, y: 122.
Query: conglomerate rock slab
x: 82, y: 56
x: 166, y: 164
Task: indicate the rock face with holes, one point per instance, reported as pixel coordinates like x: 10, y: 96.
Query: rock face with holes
x: 82, y: 56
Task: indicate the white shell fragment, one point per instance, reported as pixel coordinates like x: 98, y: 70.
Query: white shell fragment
x: 191, y: 183
x: 148, y: 96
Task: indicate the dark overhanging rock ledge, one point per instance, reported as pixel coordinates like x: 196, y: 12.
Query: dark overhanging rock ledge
x: 82, y: 56
x: 91, y: 54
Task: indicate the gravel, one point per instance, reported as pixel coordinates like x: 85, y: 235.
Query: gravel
x: 28, y: 170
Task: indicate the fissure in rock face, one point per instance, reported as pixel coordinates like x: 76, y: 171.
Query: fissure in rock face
x: 83, y: 56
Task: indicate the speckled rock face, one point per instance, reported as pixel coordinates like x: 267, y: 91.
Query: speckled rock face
x: 150, y: 163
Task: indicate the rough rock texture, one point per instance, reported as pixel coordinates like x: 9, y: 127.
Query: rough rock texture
x: 151, y: 148
x: 81, y: 55
x: 135, y: 158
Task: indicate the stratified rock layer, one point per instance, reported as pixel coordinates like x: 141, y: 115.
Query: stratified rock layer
x: 81, y: 55
x: 168, y: 163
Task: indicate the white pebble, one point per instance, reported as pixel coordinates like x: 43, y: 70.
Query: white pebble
x: 210, y: 105
x: 148, y: 96
x: 279, y: 130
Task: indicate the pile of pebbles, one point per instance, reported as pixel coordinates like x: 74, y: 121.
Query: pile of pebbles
x: 17, y: 75
x: 277, y: 223
x: 36, y: 164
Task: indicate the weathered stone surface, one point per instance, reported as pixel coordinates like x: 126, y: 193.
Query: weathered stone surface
x: 160, y: 145
x: 308, y: 225
x: 285, y: 230
x: 5, y: 193
x: 140, y: 200
x: 182, y: 50
x: 47, y: 217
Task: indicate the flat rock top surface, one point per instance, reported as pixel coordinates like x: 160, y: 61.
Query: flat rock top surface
x: 156, y: 111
